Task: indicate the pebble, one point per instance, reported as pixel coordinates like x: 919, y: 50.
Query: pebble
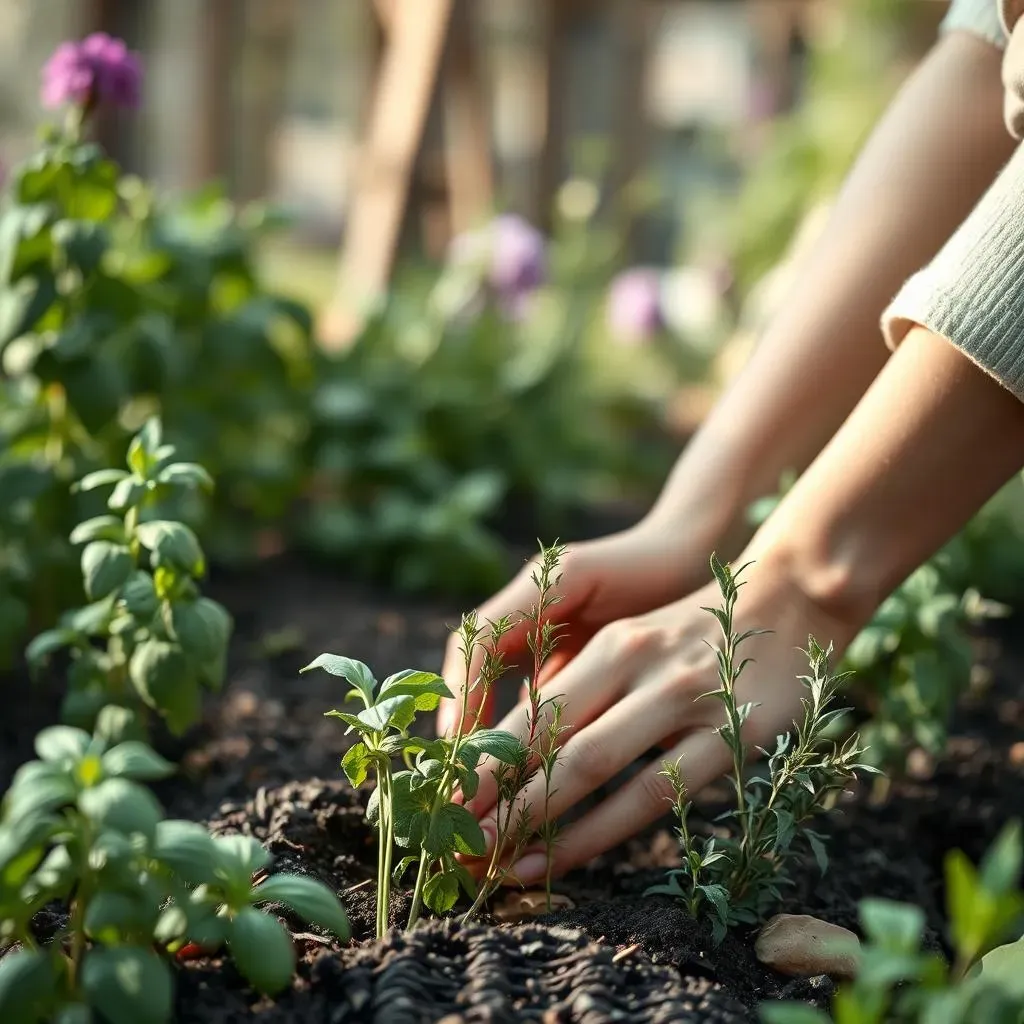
x: 521, y: 906
x: 802, y: 946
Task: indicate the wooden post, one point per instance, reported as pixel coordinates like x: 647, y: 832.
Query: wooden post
x: 556, y: 20
x: 214, y: 120
x: 406, y: 84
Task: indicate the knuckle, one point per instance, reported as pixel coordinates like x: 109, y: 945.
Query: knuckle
x: 655, y: 790
x: 586, y: 759
x: 628, y: 637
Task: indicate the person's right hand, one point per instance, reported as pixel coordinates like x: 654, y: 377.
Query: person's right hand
x: 621, y: 575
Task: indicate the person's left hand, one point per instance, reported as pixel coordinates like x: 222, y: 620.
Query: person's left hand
x: 638, y: 685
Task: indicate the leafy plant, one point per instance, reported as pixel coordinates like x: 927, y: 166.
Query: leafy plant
x: 78, y: 827
x: 163, y: 640
x: 900, y: 982
x: 912, y: 662
x: 739, y: 879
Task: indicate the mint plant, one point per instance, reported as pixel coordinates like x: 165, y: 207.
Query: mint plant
x: 163, y: 642
x: 899, y: 982
x: 78, y: 827
x: 740, y: 878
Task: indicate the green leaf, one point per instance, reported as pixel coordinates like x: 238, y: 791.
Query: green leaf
x: 73, y: 1013
x: 819, y: 850
x: 28, y: 987
x: 311, y: 900
x: 116, y: 724
x: 61, y: 744
x: 151, y: 435
x: 187, y: 849
x: 128, y: 985
x: 1001, y: 866
x: 1003, y: 967
x: 38, y: 787
x: 127, y: 493
x: 426, y: 687
x: 897, y: 927
x: 135, y: 760
x: 173, y: 544
x: 84, y: 242
x: 160, y: 673
x: 464, y: 830
x: 718, y: 897
x: 240, y: 857
x: 392, y: 711
x: 964, y: 900
x: 792, y: 1013
x: 23, y: 304
x: 108, y: 528
x: 356, y: 763
x: 105, y: 567
x: 355, y: 672
x: 139, y: 595
x: 185, y: 474
x: 498, y: 743
x: 202, y: 627
x: 441, y: 892
x: 101, y: 478
x: 262, y: 949
x: 112, y: 916
x: 121, y: 806
x: 46, y: 643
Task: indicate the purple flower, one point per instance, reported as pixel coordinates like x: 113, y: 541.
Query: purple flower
x: 99, y: 69
x: 518, y: 261
x: 634, y: 305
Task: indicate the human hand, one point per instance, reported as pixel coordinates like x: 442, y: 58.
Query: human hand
x: 635, y: 686
x: 625, y: 574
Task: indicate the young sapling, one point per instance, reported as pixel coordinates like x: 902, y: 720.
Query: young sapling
x: 741, y: 877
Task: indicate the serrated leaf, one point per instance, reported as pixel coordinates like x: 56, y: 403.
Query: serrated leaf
x: 262, y: 950
x: 311, y: 900
x: 128, y: 985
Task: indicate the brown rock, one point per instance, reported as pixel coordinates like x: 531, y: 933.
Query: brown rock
x: 521, y: 906
x: 802, y: 947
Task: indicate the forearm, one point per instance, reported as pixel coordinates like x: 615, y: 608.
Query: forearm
x: 931, y: 441
x: 934, y: 153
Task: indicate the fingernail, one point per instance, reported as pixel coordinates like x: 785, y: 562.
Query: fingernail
x: 531, y: 868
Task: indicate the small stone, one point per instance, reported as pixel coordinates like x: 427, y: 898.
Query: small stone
x: 521, y: 906
x: 802, y: 946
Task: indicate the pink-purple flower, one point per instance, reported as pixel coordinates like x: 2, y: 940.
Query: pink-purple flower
x: 98, y: 69
x: 634, y: 305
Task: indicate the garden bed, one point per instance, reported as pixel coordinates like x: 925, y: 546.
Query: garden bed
x: 265, y: 762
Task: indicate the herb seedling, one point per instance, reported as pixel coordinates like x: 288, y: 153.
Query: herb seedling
x: 414, y: 807
x: 164, y: 641
x: 741, y: 877
x: 78, y: 827
x: 898, y: 982
x: 544, y: 718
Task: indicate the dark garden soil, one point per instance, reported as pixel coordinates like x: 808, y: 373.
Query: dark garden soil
x: 265, y: 762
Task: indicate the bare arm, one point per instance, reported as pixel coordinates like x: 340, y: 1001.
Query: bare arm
x: 937, y: 149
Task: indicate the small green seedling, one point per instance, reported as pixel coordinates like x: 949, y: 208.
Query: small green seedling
x: 899, y: 982
x: 79, y: 827
x: 163, y: 641
x: 415, y: 808
x: 740, y: 878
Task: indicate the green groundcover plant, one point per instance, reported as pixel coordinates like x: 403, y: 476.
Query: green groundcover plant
x: 901, y: 982
x: 79, y: 827
x: 739, y: 879
x: 148, y: 640
x: 414, y: 808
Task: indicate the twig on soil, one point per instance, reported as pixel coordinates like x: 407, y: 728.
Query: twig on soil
x: 357, y: 886
x: 623, y: 953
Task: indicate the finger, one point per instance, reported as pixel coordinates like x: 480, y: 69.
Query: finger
x: 588, y: 685
x: 599, y: 751
x: 644, y: 799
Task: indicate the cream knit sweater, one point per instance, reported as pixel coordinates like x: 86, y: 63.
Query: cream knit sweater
x: 973, y: 291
